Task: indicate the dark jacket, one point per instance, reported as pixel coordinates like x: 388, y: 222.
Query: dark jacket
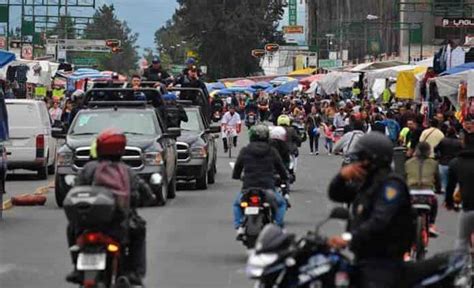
x: 152, y: 74
x: 294, y: 140
x: 259, y: 162
x: 461, y: 171
x: 448, y: 149
x: 140, y: 191
x: 381, y: 217
x: 283, y: 151
x: 173, y: 115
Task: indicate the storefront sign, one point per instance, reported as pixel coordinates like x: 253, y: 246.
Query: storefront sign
x: 458, y: 22
x: 293, y: 29
x: 292, y: 12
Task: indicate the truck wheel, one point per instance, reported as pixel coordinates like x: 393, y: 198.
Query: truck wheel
x: 43, y: 172
x: 172, y: 188
x: 211, y: 175
x: 59, y: 190
x: 201, y: 183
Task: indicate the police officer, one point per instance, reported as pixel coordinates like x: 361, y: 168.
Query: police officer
x: 155, y: 72
x: 381, y: 223
x: 172, y: 112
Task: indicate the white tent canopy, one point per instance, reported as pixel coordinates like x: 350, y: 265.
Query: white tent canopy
x: 334, y: 81
x: 385, y: 73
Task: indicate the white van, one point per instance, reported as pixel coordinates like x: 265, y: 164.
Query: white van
x: 31, y: 144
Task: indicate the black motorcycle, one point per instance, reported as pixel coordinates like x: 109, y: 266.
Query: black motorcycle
x: 101, y: 246
x: 257, y: 214
x: 282, y: 261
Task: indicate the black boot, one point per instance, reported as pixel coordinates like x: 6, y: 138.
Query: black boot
x: 226, y: 148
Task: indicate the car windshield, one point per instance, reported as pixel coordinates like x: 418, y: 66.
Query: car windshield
x: 194, y: 121
x: 130, y: 122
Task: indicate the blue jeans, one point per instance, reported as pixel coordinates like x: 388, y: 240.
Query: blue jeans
x: 278, y: 210
x: 443, y: 173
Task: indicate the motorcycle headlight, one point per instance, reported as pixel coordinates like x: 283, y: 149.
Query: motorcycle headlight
x: 64, y: 159
x: 153, y: 158
x: 199, y: 152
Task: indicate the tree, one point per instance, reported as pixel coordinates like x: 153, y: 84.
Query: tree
x: 225, y: 32
x: 64, y: 25
x: 171, y: 42
x: 105, y: 25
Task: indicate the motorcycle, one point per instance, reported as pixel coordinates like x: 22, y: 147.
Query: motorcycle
x: 101, y: 247
x: 422, y: 201
x: 217, y: 113
x: 250, y: 119
x: 257, y: 214
x: 282, y: 261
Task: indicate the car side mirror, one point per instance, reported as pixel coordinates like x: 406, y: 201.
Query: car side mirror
x: 339, y: 213
x: 58, y: 133
x: 172, y: 132
x: 213, y: 129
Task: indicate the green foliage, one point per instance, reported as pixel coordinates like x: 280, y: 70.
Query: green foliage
x: 223, y: 32
x: 106, y: 26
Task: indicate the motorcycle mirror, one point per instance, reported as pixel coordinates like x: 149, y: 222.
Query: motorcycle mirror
x: 340, y: 213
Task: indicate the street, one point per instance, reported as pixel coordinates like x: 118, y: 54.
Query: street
x: 190, y: 241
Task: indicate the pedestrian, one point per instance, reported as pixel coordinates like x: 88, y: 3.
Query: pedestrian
x: 413, y: 136
x: 55, y: 111
x: 432, y: 135
x: 328, y: 132
x: 313, y: 124
x: 446, y: 151
x: 66, y: 117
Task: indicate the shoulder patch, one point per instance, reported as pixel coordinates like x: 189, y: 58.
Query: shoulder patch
x: 391, y: 193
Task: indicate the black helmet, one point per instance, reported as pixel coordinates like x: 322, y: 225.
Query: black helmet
x: 375, y: 147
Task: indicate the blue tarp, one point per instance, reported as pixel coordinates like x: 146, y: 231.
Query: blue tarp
x: 261, y: 85
x: 286, y: 88
x: 459, y: 69
x: 215, y: 86
x: 6, y: 57
x: 241, y: 89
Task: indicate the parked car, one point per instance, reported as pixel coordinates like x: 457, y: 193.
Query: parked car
x: 150, y: 152
x: 197, y: 149
x: 31, y: 144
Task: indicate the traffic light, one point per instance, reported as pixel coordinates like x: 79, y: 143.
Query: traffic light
x: 272, y: 47
x: 117, y: 50
x: 258, y: 53
x: 111, y: 43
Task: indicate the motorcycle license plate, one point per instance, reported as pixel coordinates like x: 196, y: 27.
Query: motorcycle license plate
x: 252, y: 210
x: 91, y: 261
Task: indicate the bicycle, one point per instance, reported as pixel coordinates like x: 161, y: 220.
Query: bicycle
x: 422, y: 201
x: 230, y: 133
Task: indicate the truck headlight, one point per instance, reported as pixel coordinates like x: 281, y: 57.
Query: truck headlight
x: 199, y: 152
x: 64, y: 159
x: 153, y: 158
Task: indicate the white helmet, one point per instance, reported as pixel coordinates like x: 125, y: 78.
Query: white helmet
x: 278, y: 133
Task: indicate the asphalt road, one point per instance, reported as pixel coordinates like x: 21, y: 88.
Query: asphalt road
x: 190, y: 242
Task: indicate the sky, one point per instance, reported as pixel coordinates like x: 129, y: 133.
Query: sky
x: 143, y: 16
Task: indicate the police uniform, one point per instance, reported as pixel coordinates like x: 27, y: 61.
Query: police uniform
x: 381, y: 225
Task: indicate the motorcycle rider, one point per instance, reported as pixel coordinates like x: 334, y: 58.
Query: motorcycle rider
x: 172, y: 112
x: 278, y: 141
x: 461, y: 171
x: 251, y: 107
x: 422, y: 173
x: 230, y: 121
x: 110, y: 146
x: 155, y: 71
x: 381, y: 224
x: 293, y: 141
x: 259, y: 161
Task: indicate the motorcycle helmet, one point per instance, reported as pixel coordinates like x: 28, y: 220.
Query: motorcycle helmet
x: 278, y: 133
x: 284, y: 120
x: 259, y: 133
x: 375, y: 147
x: 111, y: 143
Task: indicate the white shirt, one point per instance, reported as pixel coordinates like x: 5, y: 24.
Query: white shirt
x: 231, y: 120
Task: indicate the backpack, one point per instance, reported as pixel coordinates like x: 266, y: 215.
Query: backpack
x: 114, y: 176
